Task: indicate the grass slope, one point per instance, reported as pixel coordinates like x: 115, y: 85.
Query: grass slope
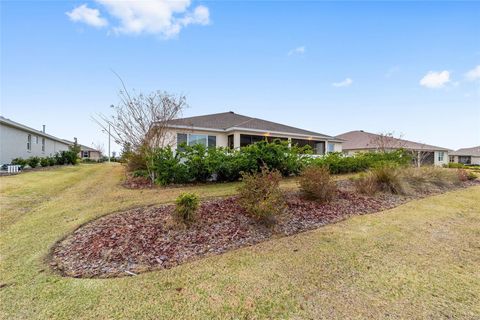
x: 419, y: 260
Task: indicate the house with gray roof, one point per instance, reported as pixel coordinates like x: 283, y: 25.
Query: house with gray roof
x: 20, y: 141
x: 232, y: 130
x: 469, y: 156
x: 362, y: 141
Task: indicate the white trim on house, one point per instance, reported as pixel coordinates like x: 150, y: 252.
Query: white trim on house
x: 233, y: 129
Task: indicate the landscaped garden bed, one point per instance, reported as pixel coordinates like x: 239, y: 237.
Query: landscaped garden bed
x: 146, y: 238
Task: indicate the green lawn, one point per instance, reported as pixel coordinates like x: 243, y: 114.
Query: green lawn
x: 420, y: 260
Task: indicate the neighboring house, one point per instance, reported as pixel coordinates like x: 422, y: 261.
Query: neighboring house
x: 20, y: 141
x: 233, y: 130
x: 89, y: 153
x: 361, y: 141
x: 466, y: 156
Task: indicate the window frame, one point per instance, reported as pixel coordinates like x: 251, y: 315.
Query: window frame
x: 207, y: 138
x: 330, y: 144
x: 29, y: 142
x: 43, y: 144
x: 441, y: 156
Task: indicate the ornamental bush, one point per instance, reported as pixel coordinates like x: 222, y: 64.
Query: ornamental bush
x: 315, y: 183
x: 44, y: 162
x: 261, y: 196
x: 197, y: 163
x: 186, y: 207
x: 33, y: 162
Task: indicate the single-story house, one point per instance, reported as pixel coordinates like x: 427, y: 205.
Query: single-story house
x: 361, y: 141
x: 89, y: 153
x: 232, y: 130
x: 466, y: 156
x: 20, y: 141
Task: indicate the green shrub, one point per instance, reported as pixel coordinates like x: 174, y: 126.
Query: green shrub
x: 33, y: 161
x: 44, y: 162
x: 200, y: 164
x: 19, y: 161
x: 166, y: 167
x: 339, y: 163
x: 315, y: 183
x: 260, y: 194
x: 471, y: 176
x: 140, y: 173
x: 455, y: 165
x: 51, y: 161
x: 66, y: 157
x: 186, y: 207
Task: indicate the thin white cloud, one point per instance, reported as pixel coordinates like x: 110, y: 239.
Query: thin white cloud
x: 87, y: 15
x: 473, y: 74
x: 160, y: 17
x: 435, y: 80
x: 392, y: 71
x: 297, y: 51
x: 345, y: 83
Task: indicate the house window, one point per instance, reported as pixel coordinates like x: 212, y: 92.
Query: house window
x: 85, y: 154
x: 246, y: 139
x: 43, y: 144
x: 331, y: 147
x: 440, y: 156
x: 318, y: 147
x: 465, y: 159
x: 194, y: 139
x: 230, y: 141
x: 36, y: 139
x: 29, y: 142
x: 452, y: 158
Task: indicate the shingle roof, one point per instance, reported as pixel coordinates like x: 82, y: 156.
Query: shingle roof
x: 361, y: 140
x: 20, y: 126
x: 474, y: 151
x: 228, y: 121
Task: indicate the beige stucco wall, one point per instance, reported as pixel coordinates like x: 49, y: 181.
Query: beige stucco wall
x: 13, y: 144
x: 222, y: 138
x: 474, y: 160
x: 445, y: 161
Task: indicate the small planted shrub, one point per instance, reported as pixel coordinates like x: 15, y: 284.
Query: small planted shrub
x: 20, y: 162
x: 44, y: 162
x: 315, y: 183
x: 33, y: 161
x: 471, y: 176
x: 260, y: 194
x: 366, y: 183
x: 455, y: 165
x: 387, y: 177
x: 186, y: 208
x: 51, y: 161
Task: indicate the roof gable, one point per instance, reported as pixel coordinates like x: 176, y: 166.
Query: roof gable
x: 23, y: 127
x: 228, y: 121
x: 359, y: 140
x: 474, y: 151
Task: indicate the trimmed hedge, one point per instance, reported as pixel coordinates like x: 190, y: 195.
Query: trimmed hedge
x: 200, y: 164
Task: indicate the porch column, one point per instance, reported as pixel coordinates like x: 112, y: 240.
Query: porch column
x: 236, y: 140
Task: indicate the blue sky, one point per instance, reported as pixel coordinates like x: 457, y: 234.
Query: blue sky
x: 412, y: 67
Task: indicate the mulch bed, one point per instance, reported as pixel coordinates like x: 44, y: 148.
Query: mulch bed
x: 145, y: 238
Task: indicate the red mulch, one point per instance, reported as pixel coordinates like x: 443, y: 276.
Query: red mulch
x: 145, y: 238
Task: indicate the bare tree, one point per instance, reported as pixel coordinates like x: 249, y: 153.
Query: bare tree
x: 99, y: 147
x: 387, y: 141
x: 141, y: 120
